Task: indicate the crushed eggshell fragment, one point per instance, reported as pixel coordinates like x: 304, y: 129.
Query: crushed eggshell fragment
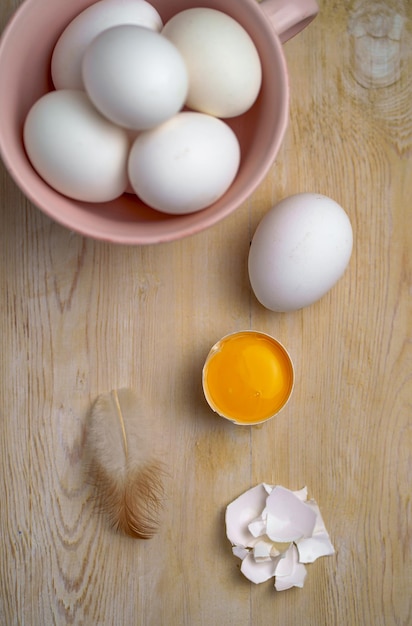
x: 290, y: 572
x: 319, y: 543
x: 241, y: 512
x: 287, y: 517
x: 259, y: 574
x: 275, y: 531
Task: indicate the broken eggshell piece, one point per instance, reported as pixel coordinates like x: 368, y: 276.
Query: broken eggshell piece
x: 287, y: 517
x: 274, y: 531
x: 290, y: 572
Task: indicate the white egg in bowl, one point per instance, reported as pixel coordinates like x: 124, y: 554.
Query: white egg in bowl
x: 184, y: 164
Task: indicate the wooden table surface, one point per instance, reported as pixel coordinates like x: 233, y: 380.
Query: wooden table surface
x: 80, y: 317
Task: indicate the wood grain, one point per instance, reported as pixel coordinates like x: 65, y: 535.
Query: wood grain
x: 79, y: 318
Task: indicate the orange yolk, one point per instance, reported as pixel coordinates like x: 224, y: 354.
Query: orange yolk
x: 248, y: 377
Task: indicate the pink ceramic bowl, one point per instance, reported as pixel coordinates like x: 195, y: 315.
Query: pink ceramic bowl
x: 25, y: 52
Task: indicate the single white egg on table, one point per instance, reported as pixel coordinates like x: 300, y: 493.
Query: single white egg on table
x: 300, y: 249
x: 185, y: 164
x: 75, y: 149
x: 66, y: 64
x: 224, y: 67
x: 134, y: 76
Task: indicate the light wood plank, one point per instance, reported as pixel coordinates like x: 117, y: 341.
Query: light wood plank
x: 80, y: 317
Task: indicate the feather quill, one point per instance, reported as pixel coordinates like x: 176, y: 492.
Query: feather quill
x: 123, y: 467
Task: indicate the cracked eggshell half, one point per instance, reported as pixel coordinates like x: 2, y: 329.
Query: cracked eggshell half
x: 248, y: 377
x: 300, y: 249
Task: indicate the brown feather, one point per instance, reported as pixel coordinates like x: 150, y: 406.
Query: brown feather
x: 123, y: 468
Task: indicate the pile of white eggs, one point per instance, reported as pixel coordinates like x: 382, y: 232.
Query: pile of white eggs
x: 138, y: 106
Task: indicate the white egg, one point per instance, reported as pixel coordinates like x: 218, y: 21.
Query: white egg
x: 68, y: 53
x: 224, y: 67
x: 134, y: 76
x: 75, y: 149
x: 185, y: 164
x: 300, y: 249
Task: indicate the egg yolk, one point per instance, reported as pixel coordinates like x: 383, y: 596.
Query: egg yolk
x: 248, y: 377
